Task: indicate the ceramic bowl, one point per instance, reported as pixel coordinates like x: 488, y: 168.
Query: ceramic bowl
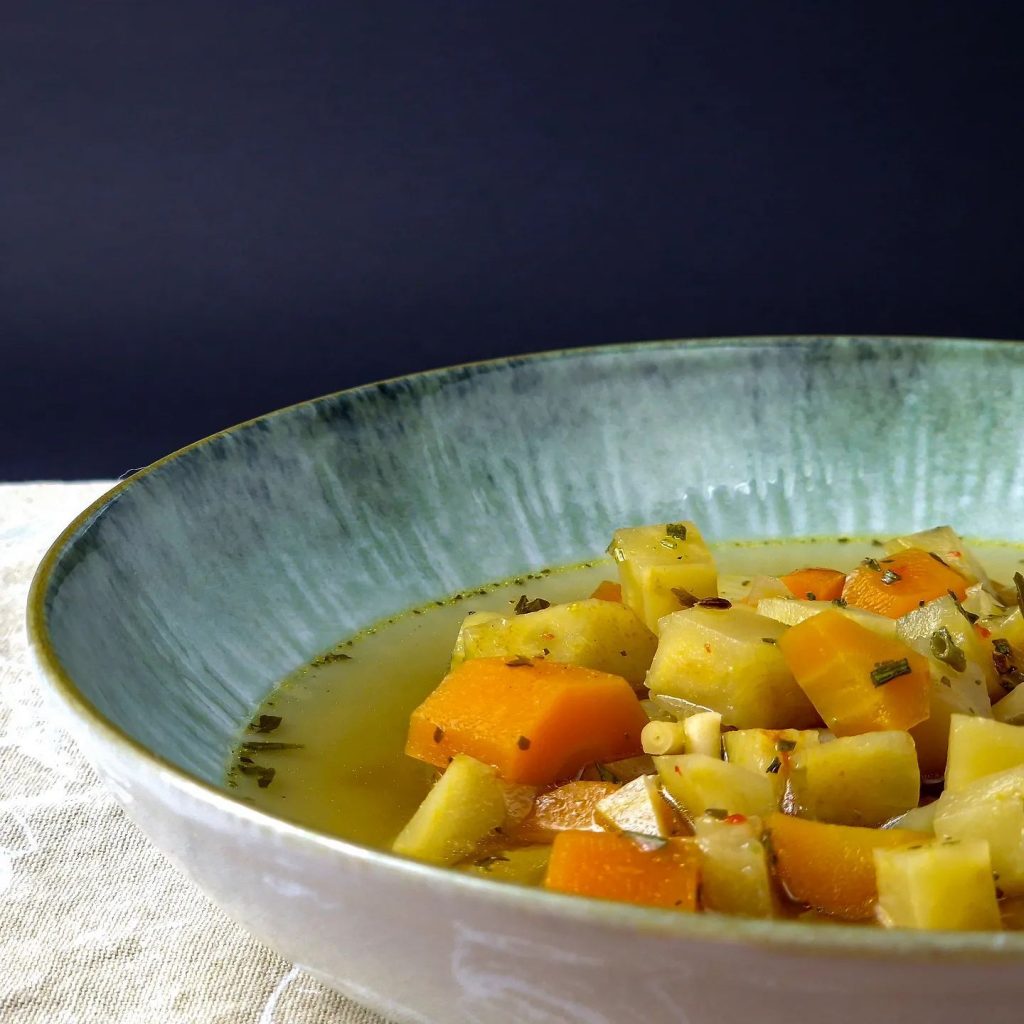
x: 166, y: 611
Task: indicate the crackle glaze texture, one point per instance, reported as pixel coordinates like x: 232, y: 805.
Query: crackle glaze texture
x: 167, y: 613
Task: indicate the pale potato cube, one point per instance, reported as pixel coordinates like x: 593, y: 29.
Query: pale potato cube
x: 939, y: 886
x: 857, y: 780
x: 1010, y: 628
x: 697, y: 783
x: 471, y: 620
x: 521, y: 865
x: 735, y: 874
x: 951, y: 693
x: 637, y: 807
x: 1011, y: 708
x: 939, y: 629
x: 655, y: 560
x: 464, y: 807
x: 917, y: 819
x: 980, y: 747
x: 992, y: 808
x: 602, y: 635
x: 793, y: 611
x: 764, y: 588
x: 704, y: 734
x: 768, y: 751
x: 727, y: 660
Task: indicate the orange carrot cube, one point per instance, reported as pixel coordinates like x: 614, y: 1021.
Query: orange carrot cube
x: 537, y: 722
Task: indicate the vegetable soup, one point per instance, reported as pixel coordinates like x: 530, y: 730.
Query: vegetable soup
x: 822, y: 729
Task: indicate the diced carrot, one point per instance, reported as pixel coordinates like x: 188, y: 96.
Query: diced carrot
x: 567, y: 808
x: 815, y: 584
x: 606, y: 590
x: 536, y: 721
x: 857, y: 680
x: 614, y: 866
x: 832, y: 867
x: 899, y: 583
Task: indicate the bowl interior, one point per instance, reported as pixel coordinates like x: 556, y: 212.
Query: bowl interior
x: 177, y: 602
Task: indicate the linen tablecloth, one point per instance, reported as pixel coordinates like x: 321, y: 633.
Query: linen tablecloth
x: 95, y: 926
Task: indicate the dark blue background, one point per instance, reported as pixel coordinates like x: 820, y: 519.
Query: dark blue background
x: 208, y: 210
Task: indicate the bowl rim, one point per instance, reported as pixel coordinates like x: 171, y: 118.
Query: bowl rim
x: 770, y: 936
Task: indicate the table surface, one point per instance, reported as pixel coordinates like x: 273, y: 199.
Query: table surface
x: 95, y: 926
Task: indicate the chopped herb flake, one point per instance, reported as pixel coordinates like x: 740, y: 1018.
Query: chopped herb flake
x: 938, y: 558
x: 714, y: 602
x: 524, y: 606
x: 768, y: 640
x: 717, y: 812
x: 890, y: 576
x: 969, y: 616
x: 945, y: 648
x: 811, y: 597
x: 264, y: 776
x: 329, y: 658
x: 685, y: 598
x: 259, y: 746
x: 677, y: 530
x: 872, y: 564
x: 885, y: 671
x: 1018, y: 582
x: 523, y: 743
x: 785, y: 746
x: 519, y: 662
x: 839, y: 602
x: 438, y: 734
x: 774, y: 766
x: 265, y: 723
x: 667, y: 543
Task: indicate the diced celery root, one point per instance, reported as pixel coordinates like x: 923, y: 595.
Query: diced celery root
x: 697, y: 782
x: 992, y: 808
x: 980, y: 747
x: 857, y: 780
x: 735, y: 875
x: 939, y: 886
x: 637, y: 807
x: 654, y: 561
x: 602, y: 635
x: 727, y: 660
x: 464, y: 807
x: 1011, y: 708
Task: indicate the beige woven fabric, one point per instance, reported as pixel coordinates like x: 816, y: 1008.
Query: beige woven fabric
x: 94, y: 925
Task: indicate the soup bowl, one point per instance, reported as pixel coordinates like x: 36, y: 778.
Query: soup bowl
x: 168, y: 610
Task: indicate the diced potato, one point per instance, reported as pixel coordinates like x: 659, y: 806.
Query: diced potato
x: 980, y: 747
x: 735, y: 874
x: 763, y: 588
x: 768, y: 752
x: 601, y: 635
x: 464, y: 807
x: 1009, y: 628
x: 793, y: 611
x: 992, y: 808
x: 656, y: 712
x: 728, y: 660
x: 917, y: 819
x: 704, y: 734
x: 1011, y: 708
x: 857, y: 780
x: 938, y: 886
x: 982, y: 603
x: 663, y: 738
x: 654, y: 561
x: 473, y: 619
x: 734, y: 587
x: 939, y: 629
x: 698, y: 783
x: 626, y: 770
x: 945, y: 542
x: 756, y: 749
x: 638, y: 807
x: 951, y: 693
x: 521, y: 865
x: 677, y: 708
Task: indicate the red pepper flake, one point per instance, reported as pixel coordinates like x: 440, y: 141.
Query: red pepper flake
x: 985, y: 633
x: 736, y: 819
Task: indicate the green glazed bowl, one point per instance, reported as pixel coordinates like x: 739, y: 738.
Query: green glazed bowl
x: 164, y: 614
